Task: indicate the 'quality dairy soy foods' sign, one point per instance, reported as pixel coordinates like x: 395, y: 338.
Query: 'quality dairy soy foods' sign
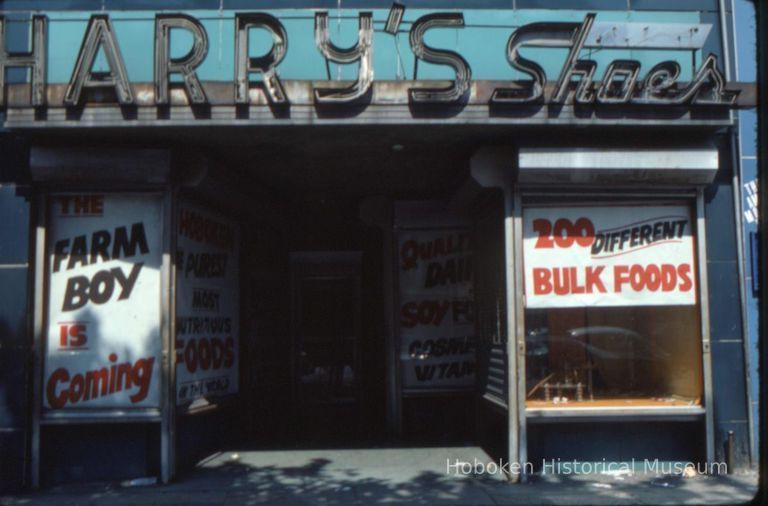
x: 609, y: 256
x: 437, y: 333
x: 103, y: 347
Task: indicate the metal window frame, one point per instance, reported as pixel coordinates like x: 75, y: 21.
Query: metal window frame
x: 691, y: 197
x: 162, y: 415
x: 38, y: 329
x: 518, y: 446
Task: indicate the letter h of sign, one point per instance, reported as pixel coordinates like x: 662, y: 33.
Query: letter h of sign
x: 34, y: 60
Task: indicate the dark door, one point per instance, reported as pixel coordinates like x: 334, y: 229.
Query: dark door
x: 325, y: 326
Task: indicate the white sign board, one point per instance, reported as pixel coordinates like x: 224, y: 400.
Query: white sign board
x: 207, y: 305
x: 437, y: 333
x: 608, y: 256
x: 103, y: 347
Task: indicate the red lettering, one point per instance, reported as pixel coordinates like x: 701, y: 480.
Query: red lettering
x: 425, y: 312
x: 76, y: 388
x: 544, y: 229
x: 653, y: 277
x: 60, y: 375
x: 409, y: 254
x: 204, y: 230
x: 190, y: 356
x: 82, y: 204
x: 584, y: 231
x: 541, y: 281
x: 593, y: 280
x: 99, y: 382
x: 64, y: 201
x: 684, y: 271
x: 564, y: 233
x: 637, y: 277
x: 409, y: 315
x: 560, y: 280
x: 204, y: 353
x: 229, y: 352
x: 97, y: 204
x: 668, y: 277
x: 620, y: 277
x: 575, y: 287
x: 217, y: 352
x: 442, y: 309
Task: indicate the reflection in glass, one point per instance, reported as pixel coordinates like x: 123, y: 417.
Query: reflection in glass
x: 326, y: 355
x: 613, y: 356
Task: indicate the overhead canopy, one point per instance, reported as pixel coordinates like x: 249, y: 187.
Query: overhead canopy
x: 693, y: 165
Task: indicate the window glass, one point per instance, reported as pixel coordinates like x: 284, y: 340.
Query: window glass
x: 612, y: 314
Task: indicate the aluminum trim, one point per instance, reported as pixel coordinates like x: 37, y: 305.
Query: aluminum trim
x: 38, y: 331
x: 516, y: 333
x: 705, y: 335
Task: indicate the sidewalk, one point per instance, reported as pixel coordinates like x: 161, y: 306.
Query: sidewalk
x: 409, y: 476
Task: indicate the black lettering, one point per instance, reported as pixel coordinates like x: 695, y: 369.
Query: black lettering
x: 100, y: 245
x: 79, y: 252
x: 424, y: 372
x: 645, y: 235
x: 59, y: 253
x: 76, y: 293
x: 681, y: 228
x: 102, y: 286
x: 127, y: 245
x: 127, y: 284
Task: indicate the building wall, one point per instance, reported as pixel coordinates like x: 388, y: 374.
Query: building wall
x: 15, y: 341
x: 726, y: 330
x: 745, y: 69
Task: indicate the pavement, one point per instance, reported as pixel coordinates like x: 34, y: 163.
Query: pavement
x: 392, y: 476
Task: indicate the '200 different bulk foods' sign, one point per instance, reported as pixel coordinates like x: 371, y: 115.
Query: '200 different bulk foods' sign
x: 103, y: 348
x: 437, y: 333
x: 207, y: 305
x: 608, y: 256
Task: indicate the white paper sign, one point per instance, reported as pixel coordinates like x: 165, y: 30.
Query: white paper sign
x: 437, y: 333
x: 207, y: 305
x: 103, y: 347
x: 608, y: 256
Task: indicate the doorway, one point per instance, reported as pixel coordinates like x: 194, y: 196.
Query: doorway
x: 325, y: 343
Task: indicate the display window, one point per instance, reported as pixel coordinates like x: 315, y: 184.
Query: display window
x: 612, y: 311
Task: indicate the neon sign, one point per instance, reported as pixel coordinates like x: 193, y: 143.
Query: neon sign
x: 577, y: 81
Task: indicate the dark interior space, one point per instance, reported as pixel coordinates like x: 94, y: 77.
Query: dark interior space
x: 301, y: 384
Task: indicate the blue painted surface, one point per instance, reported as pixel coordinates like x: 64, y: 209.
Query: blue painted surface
x: 482, y: 42
x: 361, y: 4
x: 111, y: 453
x: 745, y: 69
x: 721, y: 236
x: 14, y: 241
x: 616, y: 441
x: 14, y: 339
x: 748, y: 135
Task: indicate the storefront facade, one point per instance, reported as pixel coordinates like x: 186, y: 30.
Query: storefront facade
x: 512, y: 224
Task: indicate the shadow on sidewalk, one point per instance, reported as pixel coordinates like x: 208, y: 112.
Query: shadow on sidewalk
x: 353, y: 477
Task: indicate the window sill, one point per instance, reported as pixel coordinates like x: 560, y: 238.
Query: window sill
x: 607, y: 413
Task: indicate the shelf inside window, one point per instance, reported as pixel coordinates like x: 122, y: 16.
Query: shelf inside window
x: 639, y: 408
